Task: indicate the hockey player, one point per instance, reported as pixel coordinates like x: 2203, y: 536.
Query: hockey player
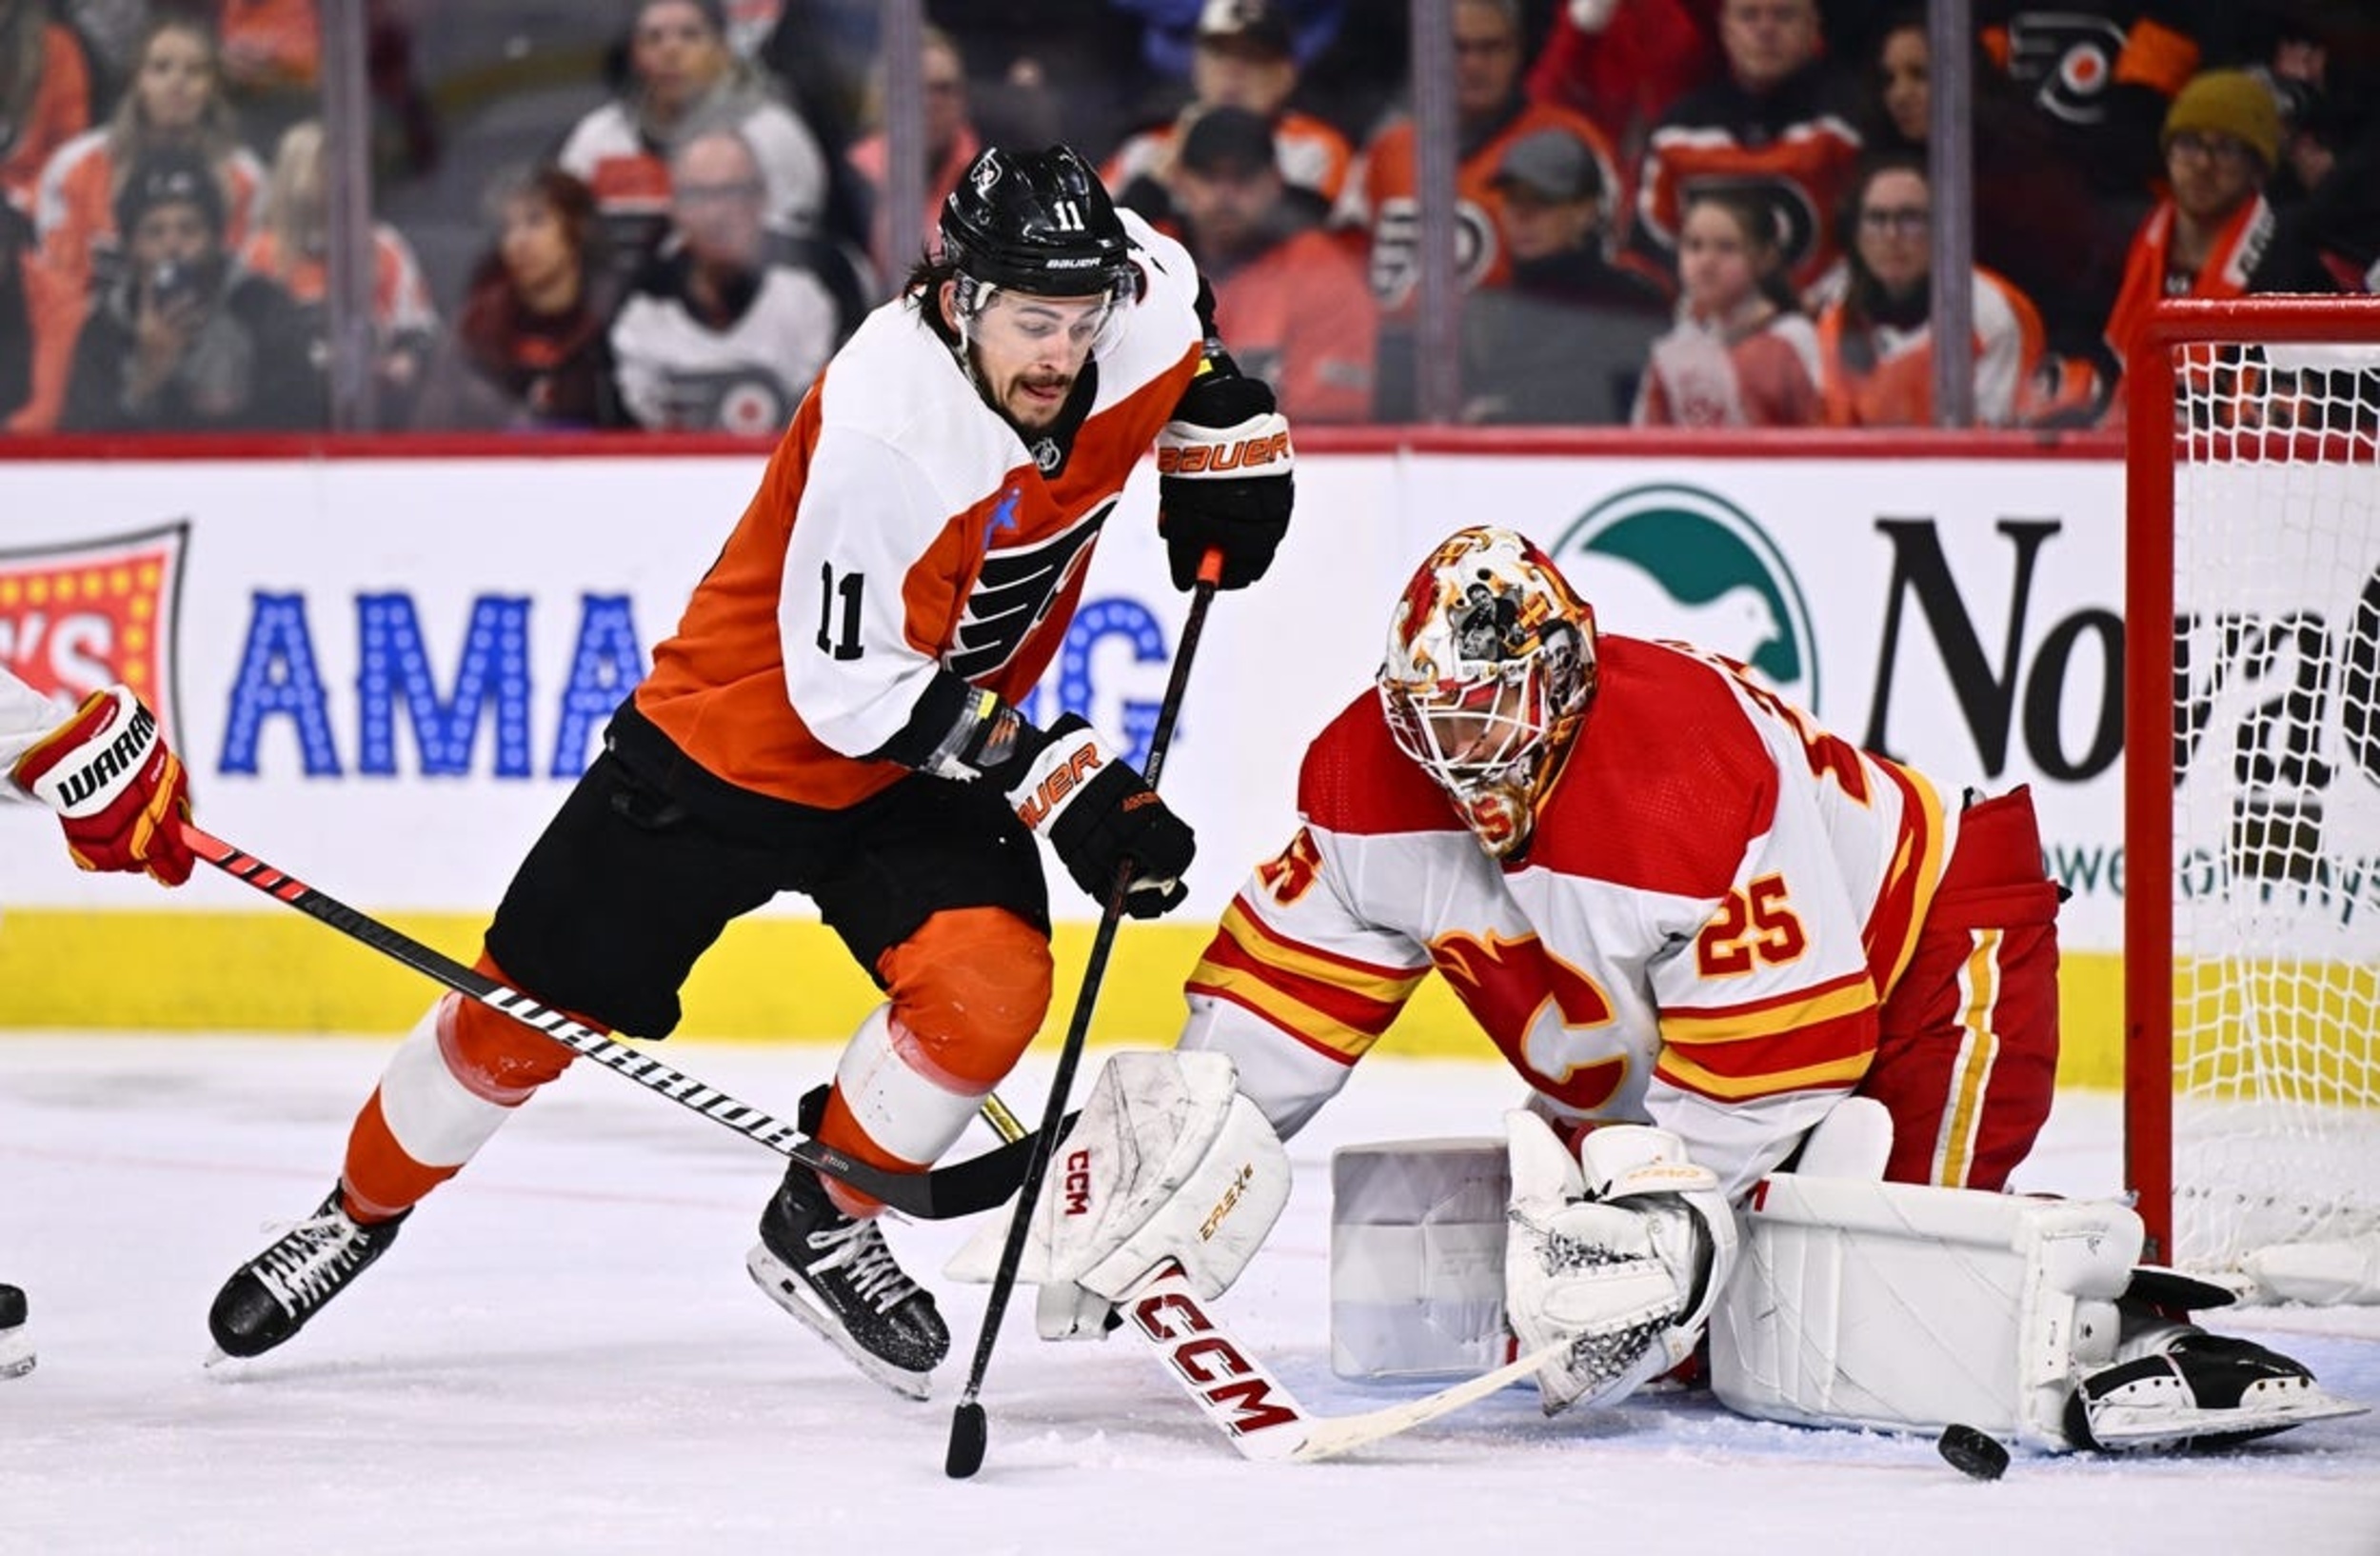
x: 836, y: 715
x: 119, y: 790
x: 1699, y: 925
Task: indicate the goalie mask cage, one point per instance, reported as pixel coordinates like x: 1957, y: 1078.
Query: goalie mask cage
x: 2251, y: 957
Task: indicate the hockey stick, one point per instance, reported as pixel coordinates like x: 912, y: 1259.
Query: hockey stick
x: 969, y: 1428
x: 1238, y: 1394
x: 963, y: 1190
x: 1241, y: 1399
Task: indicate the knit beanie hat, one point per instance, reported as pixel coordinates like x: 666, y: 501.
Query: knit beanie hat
x: 2229, y: 103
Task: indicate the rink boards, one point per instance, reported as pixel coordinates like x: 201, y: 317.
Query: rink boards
x: 384, y: 672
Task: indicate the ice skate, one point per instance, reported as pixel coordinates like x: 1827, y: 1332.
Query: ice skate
x: 837, y: 1275
x: 273, y: 1295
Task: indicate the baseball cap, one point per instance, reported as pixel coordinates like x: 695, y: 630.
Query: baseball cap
x: 1227, y: 139
x: 1553, y: 164
x: 1253, y: 24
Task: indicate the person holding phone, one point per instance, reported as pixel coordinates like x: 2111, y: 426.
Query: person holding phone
x: 186, y: 341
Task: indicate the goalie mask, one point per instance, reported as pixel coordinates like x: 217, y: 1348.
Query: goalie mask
x: 1490, y: 667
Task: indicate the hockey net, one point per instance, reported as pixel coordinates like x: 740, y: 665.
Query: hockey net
x: 2253, y: 793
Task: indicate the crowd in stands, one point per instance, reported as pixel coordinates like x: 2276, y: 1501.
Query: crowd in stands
x: 1669, y: 212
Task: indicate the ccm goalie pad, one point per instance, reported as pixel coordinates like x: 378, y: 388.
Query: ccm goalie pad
x: 1906, y: 1308
x: 1167, y: 1164
x: 1620, y: 1253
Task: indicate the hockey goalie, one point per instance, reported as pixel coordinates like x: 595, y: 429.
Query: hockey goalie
x: 1700, y: 928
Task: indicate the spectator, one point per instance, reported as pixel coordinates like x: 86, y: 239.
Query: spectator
x: 951, y: 143
x: 1382, y: 196
x: 1567, y: 340
x: 2037, y: 224
x: 44, y: 95
x: 684, y: 80
x: 532, y: 348
x: 175, y: 99
x: 1740, y: 355
x: 2215, y: 235
x: 185, y: 341
x: 1780, y: 120
x: 289, y: 248
x: 1245, y: 58
x: 717, y: 336
x: 1294, y: 300
x: 1876, y: 342
x: 1170, y: 29
x: 1622, y: 62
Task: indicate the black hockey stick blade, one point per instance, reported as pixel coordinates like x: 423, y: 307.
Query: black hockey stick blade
x: 968, y: 1433
x: 964, y: 1189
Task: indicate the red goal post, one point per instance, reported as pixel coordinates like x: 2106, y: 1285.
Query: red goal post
x: 2251, y: 966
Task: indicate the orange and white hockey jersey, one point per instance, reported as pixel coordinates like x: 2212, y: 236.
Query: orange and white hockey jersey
x: 1715, y: 901
x: 902, y: 526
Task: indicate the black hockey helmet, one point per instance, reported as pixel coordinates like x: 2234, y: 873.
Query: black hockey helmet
x: 1037, y: 221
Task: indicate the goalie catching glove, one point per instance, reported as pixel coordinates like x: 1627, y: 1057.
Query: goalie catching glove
x: 119, y: 790
x: 1167, y: 1166
x: 1223, y: 480
x: 1621, y: 1252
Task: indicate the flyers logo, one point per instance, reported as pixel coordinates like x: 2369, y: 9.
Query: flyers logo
x: 1013, y: 594
x: 76, y: 618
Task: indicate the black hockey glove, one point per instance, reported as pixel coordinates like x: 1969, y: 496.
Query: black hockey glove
x: 1097, y: 813
x: 1224, y: 477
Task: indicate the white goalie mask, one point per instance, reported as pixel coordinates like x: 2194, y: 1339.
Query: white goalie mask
x: 1490, y: 666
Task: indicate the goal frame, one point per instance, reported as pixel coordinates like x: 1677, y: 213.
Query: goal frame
x: 2150, y: 451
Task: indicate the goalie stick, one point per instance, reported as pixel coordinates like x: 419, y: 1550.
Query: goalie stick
x: 1241, y: 1398
x: 961, y: 1190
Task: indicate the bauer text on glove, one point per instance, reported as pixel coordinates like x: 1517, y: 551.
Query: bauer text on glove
x: 1224, y: 478
x: 1097, y: 813
x: 119, y: 790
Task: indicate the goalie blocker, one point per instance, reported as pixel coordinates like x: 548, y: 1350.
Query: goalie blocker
x: 1850, y: 1303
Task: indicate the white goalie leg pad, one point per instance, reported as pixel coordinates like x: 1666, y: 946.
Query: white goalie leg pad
x: 1167, y: 1164
x: 2320, y: 1274
x: 1906, y: 1308
x: 1622, y: 1254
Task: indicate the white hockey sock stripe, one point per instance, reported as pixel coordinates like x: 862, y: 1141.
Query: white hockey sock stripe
x: 435, y: 1117
x: 913, y: 1115
x: 1978, y: 1050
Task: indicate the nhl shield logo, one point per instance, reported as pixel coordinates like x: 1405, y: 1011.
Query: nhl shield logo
x: 77, y: 617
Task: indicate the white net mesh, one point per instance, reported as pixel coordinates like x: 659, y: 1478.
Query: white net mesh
x: 2276, y: 809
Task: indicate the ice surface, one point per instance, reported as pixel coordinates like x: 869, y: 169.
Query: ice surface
x: 563, y: 1352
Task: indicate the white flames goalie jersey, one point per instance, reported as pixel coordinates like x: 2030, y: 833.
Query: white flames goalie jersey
x: 1715, y: 901
x: 903, y: 526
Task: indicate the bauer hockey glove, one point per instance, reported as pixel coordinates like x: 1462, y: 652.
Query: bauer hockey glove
x: 117, y: 788
x: 1097, y: 813
x: 1224, y: 479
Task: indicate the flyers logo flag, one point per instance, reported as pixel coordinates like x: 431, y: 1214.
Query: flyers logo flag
x: 76, y: 618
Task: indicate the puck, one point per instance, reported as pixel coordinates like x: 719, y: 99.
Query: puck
x: 1973, y: 1453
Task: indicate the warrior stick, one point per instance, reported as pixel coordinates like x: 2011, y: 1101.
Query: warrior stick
x: 964, y: 1189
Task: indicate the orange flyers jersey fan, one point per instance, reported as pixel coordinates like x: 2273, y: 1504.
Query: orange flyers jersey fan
x: 902, y: 524
x: 1382, y: 195
x: 1717, y: 897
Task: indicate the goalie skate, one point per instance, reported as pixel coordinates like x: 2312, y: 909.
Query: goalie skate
x: 838, y: 1276
x: 2204, y: 1392
x: 273, y: 1295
